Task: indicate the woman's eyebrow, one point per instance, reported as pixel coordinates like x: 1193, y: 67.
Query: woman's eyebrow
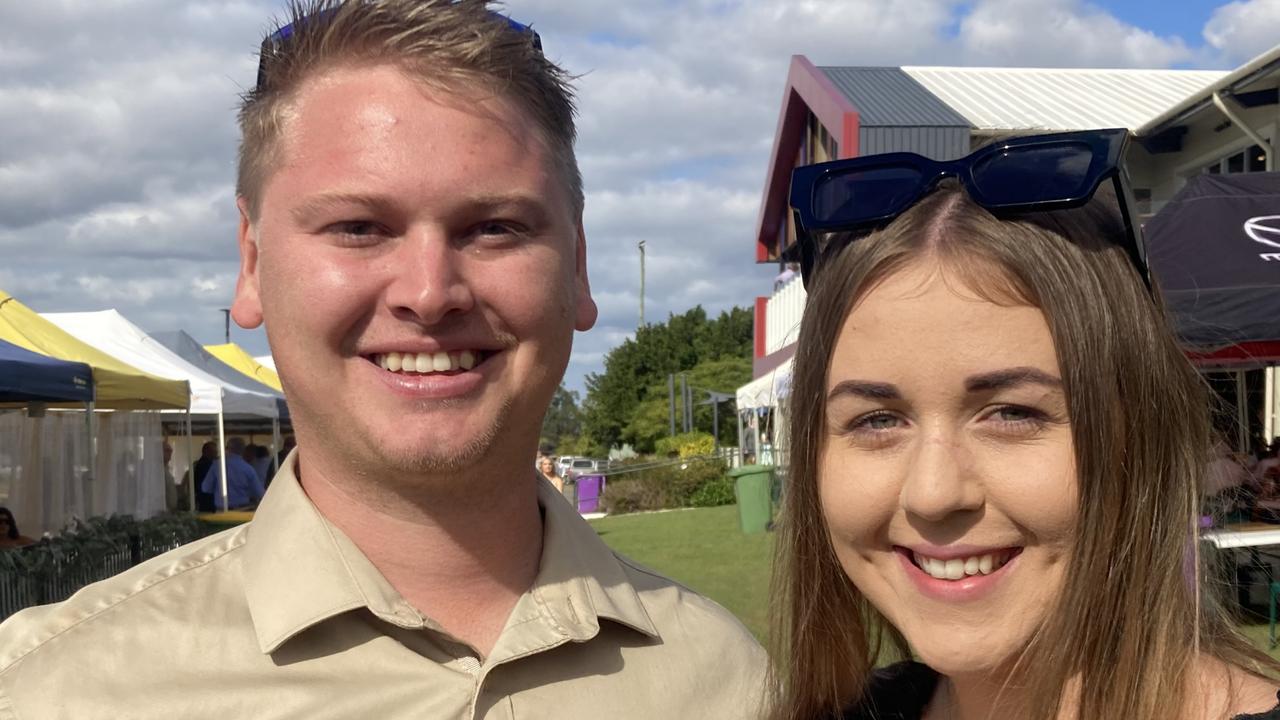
x: 865, y: 389
x: 1010, y: 377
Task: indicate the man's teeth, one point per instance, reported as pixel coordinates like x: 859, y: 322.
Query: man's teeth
x: 427, y: 362
x: 957, y: 568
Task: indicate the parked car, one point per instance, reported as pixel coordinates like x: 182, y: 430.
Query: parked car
x: 571, y: 467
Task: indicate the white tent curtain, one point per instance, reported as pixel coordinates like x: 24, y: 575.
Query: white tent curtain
x: 45, y: 476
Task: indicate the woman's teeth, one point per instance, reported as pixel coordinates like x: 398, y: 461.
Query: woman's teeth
x: 427, y: 362
x: 958, y: 568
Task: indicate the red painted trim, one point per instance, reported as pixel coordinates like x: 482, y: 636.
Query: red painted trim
x: 849, y: 141
x: 808, y: 89
x: 1251, y: 353
x: 762, y: 309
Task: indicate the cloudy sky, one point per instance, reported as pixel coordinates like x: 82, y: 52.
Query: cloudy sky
x: 117, y: 134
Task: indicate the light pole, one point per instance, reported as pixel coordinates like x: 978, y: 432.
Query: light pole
x: 226, y: 324
x: 641, y: 246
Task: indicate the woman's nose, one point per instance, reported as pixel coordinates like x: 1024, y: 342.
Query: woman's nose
x: 939, y: 480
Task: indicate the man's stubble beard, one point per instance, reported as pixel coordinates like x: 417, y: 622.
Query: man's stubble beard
x: 377, y: 465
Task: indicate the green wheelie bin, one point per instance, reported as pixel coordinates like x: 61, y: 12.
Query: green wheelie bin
x: 753, y: 487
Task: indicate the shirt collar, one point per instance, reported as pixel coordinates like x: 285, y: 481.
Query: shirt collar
x: 300, y: 570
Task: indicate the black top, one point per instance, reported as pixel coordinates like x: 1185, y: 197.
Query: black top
x: 902, y: 691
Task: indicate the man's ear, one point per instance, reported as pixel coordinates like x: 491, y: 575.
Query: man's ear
x: 246, y: 309
x: 585, y: 310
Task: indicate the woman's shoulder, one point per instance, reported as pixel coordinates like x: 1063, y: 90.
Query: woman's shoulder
x: 898, y: 692
x: 1272, y: 714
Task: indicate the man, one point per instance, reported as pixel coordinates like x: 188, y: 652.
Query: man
x: 411, y: 236
x: 244, y: 486
x: 208, y: 455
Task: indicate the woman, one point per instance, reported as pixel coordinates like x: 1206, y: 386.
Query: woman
x: 996, y: 447
x: 547, y: 467
x: 9, y: 535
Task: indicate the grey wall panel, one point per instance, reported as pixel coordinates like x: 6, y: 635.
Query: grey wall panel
x: 939, y: 143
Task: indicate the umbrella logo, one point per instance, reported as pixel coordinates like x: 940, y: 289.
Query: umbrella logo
x: 1257, y: 230
x: 1260, y: 231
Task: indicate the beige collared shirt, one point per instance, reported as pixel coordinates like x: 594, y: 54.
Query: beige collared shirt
x: 285, y: 618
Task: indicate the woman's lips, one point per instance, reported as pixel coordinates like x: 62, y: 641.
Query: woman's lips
x: 958, y: 578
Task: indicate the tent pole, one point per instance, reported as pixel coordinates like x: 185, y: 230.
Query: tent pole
x: 1269, y: 405
x: 741, y: 446
x: 275, y: 444
x: 1242, y: 413
x: 191, y: 467
x: 222, y: 460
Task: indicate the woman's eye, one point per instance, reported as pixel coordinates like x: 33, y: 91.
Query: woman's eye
x: 1015, y: 415
x: 876, y: 422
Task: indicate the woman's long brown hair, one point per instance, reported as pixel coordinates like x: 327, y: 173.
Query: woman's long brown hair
x: 1129, y: 622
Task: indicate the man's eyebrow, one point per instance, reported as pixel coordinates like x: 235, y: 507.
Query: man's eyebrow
x: 1010, y: 377
x: 865, y: 389
x: 318, y: 204
x: 485, y: 202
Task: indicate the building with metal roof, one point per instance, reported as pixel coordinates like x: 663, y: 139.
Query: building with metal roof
x: 1186, y: 122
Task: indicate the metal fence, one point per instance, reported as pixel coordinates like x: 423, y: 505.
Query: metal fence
x: 41, y: 576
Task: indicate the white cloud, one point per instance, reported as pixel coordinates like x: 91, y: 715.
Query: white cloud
x: 117, y: 133
x: 1241, y: 30
x: 1060, y: 33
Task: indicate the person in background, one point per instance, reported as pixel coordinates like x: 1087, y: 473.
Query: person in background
x: 173, y: 492
x: 289, y: 444
x: 244, y: 487
x: 547, y: 467
x: 9, y: 535
x: 208, y: 456
x: 789, y: 273
x: 259, y: 456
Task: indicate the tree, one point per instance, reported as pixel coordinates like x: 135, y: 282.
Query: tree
x: 652, y: 421
x: 563, y: 419
x: 636, y: 372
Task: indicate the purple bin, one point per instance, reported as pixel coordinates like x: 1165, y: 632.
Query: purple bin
x: 589, y: 489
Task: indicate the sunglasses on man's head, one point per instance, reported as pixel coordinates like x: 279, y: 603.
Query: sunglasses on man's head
x: 274, y: 43
x: 1027, y: 174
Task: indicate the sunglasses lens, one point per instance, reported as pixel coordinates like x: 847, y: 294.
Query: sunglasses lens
x: 863, y: 195
x: 1037, y: 173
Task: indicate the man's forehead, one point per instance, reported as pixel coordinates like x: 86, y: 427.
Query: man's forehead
x: 383, y: 97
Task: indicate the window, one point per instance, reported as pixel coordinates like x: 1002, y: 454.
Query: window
x: 1249, y: 160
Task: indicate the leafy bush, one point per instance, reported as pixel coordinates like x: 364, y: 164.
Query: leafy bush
x: 698, y: 483
x: 692, y: 444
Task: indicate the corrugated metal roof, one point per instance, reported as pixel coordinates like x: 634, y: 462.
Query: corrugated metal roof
x: 887, y: 96
x: 1060, y: 99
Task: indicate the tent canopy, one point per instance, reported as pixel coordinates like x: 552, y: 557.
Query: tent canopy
x: 187, y: 348
x: 26, y: 376
x: 110, y: 331
x: 236, y: 356
x: 117, y: 385
x: 766, y: 390
x: 1215, y: 249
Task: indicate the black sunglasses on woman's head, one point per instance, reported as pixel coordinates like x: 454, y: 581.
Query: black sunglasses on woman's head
x: 1034, y: 173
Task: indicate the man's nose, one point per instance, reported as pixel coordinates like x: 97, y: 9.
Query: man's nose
x: 940, y: 478
x: 428, y: 279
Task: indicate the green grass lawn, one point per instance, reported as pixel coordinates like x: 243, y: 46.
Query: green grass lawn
x: 704, y: 549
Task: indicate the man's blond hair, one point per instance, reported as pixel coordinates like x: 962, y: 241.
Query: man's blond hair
x: 449, y: 45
